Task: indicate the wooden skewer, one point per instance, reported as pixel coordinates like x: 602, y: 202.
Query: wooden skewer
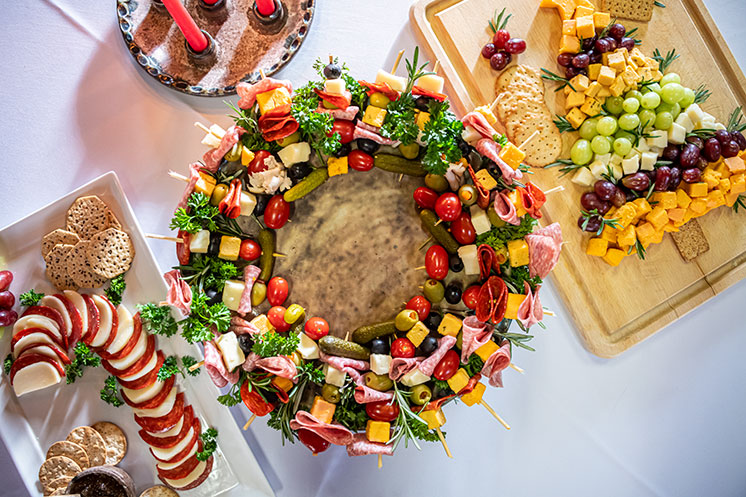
x: 436, y: 66
x: 400, y: 177
x: 163, y: 303
x: 497, y: 416
x: 380, y: 461
x: 439, y: 221
x: 396, y: 63
x: 204, y: 128
x: 167, y: 238
x: 178, y: 176
x: 194, y: 367
x: 426, y: 242
x: 443, y: 441
x: 261, y: 73
x: 347, y: 336
x: 420, y: 268
x: 558, y: 188
x: 497, y: 99
x: 525, y: 142
x: 519, y: 369
x: 248, y: 423
x: 549, y: 313
x: 331, y: 59
x: 277, y: 254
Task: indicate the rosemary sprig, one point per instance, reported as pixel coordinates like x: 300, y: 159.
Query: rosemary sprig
x: 517, y: 339
x: 704, y: 133
x: 609, y: 175
x: 740, y: 203
x: 563, y: 125
x: 650, y: 190
x: 640, y: 250
x: 550, y: 76
x: 701, y: 94
x: 568, y: 166
x: 588, y: 215
x: 404, y: 425
x: 736, y: 121
x: 631, y: 34
x: 640, y: 133
x: 499, y: 21
x: 659, y: 4
x: 664, y: 62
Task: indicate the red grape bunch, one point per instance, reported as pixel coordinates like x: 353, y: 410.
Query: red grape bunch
x: 501, y: 49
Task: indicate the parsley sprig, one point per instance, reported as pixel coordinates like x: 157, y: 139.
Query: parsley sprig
x: 110, y: 392
x: 441, y: 133
x: 273, y: 344
x: 497, y: 238
x: 252, y: 139
x: 280, y: 417
x: 197, y: 215
x: 314, y: 126
x: 515, y: 276
x: 204, y: 272
x: 30, y: 298
x: 157, y: 319
x: 8, y: 363
x: 232, y: 397
x: 171, y: 367
x: 117, y: 285
x: 348, y: 412
x: 209, y: 444
x: 83, y: 358
x: 197, y: 327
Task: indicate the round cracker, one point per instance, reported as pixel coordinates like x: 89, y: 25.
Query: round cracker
x: 92, y: 442
x: 115, y: 440
x: 58, y: 486
x: 110, y: 253
x: 56, y: 270
x: 58, y: 236
x: 87, y: 216
x: 57, y: 467
x: 159, y: 491
x: 79, y: 269
x: 70, y: 450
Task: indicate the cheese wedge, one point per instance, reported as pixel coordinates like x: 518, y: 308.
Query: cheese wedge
x: 105, y: 320
x: 125, y: 329
x: 232, y: 354
x: 34, y: 377
x: 307, y: 348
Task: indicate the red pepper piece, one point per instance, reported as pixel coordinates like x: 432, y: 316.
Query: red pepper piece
x: 337, y: 100
x: 416, y: 90
x: 384, y: 88
x: 231, y: 203
x: 254, y: 401
x: 537, y: 194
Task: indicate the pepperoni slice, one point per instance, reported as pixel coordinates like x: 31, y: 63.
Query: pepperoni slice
x: 89, y: 335
x: 156, y: 400
x: 163, y: 423
x: 182, y: 470
x: 337, y: 100
x: 416, y: 90
x: 137, y: 323
x: 167, y: 442
x: 54, y: 315
x: 384, y: 88
x: 137, y: 366
x: 148, y: 379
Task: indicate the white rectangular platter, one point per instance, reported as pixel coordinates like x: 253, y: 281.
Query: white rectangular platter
x: 30, y: 424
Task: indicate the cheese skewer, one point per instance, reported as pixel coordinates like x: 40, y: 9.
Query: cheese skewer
x: 443, y: 441
x: 519, y: 369
x: 527, y: 140
x: 248, y: 423
x: 396, y: 63
x: 167, y: 238
x: 196, y: 366
x: 492, y: 411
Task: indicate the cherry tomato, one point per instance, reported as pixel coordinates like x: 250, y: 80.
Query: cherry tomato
x: 448, y: 206
x: 447, y: 366
x: 277, y: 291
x: 421, y: 305
x: 402, y: 347
x: 316, y: 328
x: 277, y: 212
x: 254, y: 401
x: 462, y: 229
x: 257, y: 164
x: 315, y: 443
x: 360, y: 161
x: 276, y: 316
x: 6, y: 278
x: 345, y: 128
x: 250, y: 250
x: 470, y: 296
x: 436, y: 262
x: 425, y: 197
x: 383, y: 410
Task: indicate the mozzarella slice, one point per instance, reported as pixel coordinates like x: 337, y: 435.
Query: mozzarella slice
x: 44, y: 350
x: 397, y: 83
x: 37, y: 321
x: 104, y: 321
x: 135, y: 354
x: 144, y: 394
x: 171, y: 432
x: 307, y: 348
x: 54, y: 303
x: 190, y: 478
x: 165, y: 466
x: 79, y: 303
x: 232, y: 354
x: 145, y: 370
x: 160, y: 410
x: 34, y: 377
x: 169, y: 453
x: 125, y: 329
x: 33, y: 338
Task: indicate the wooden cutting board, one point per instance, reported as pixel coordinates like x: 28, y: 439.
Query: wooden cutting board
x: 613, y: 308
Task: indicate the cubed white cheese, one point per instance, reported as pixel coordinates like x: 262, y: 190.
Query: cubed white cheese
x: 684, y: 121
x: 677, y: 134
x: 232, y: 293
x: 307, y: 348
x: 430, y: 82
x: 200, y: 242
x: 335, y: 86
x: 615, y: 159
x: 658, y: 138
x: 479, y: 219
x: 583, y: 177
x: 470, y: 135
x: 642, y: 146
x: 211, y: 140
x: 380, y: 363
x: 718, y: 126
x: 695, y: 113
x: 334, y: 376
x: 616, y: 171
x: 468, y: 255
x: 597, y: 169
x: 648, y: 160
x: 603, y: 158
x: 656, y: 150
x: 248, y: 203
x: 232, y: 354
x: 397, y: 83
x: 631, y: 165
x: 414, y: 377
x: 217, y: 131
x: 295, y: 153
x: 707, y: 116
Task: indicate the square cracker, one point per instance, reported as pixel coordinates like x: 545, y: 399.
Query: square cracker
x: 690, y: 240
x: 637, y: 10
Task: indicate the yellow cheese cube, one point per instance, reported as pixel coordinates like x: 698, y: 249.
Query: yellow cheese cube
x: 637, y: 56
x: 378, y: 431
x: 630, y: 77
x: 730, y: 198
x: 485, y: 111
x: 597, y: 247
x: 511, y: 155
x: 667, y: 200
x: 584, y: 11
x: 682, y: 199
x: 670, y: 227
x: 514, y: 302
x: 433, y: 418
x: 337, y: 166
x: 485, y: 179
x: 515, y: 199
x: 565, y: 8
x: 658, y: 217
x: 485, y: 351
x: 424, y: 117
x: 246, y: 156
x: 724, y: 185
x: 568, y: 27
x: 282, y: 383
x: 475, y: 396
x: 229, y: 248
x: 576, y: 117
x: 603, y: 93
x: 593, y: 71
x: 574, y: 99
x: 698, y: 206
x: 569, y: 44
x: 642, y: 205
x: 601, y: 19
x: 417, y: 333
x: 614, y: 256
x: 374, y: 116
x: 584, y: 27
x: 627, y: 236
x: 737, y: 185
x: 591, y: 106
x: 205, y: 184
x: 262, y: 324
x: 644, y: 232
x: 735, y: 164
x: 606, y: 76
x: 696, y: 189
x: 322, y: 410
x: 449, y: 325
x: 518, y: 253
x: 617, y: 87
x: 676, y: 214
x: 458, y: 381
x: 617, y: 62
x: 711, y: 177
x: 272, y: 99
x: 609, y: 234
x: 721, y: 167
x: 593, y: 89
x: 715, y: 199
x: 625, y: 214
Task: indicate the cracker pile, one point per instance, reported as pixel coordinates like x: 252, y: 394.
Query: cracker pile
x: 637, y: 10
x: 91, y: 249
x: 522, y: 111
x: 102, y: 444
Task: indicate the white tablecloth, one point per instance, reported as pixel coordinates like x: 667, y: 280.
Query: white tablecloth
x: 664, y: 419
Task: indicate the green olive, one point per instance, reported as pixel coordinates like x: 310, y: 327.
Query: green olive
x: 379, y: 100
x: 460, y: 339
x: 467, y: 194
x: 434, y: 291
x: 284, y: 142
x: 405, y: 320
x: 294, y: 313
x: 495, y: 219
x: 421, y: 394
x: 436, y: 182
x: 380, y: 382
x: 410, y: 151
x: 296, y: 358
x: 501, y: 255
x: 330, y: 393
x: 218, y: 194
x: 234, y: 153
x: 258, y: 293
x: 328, y: 105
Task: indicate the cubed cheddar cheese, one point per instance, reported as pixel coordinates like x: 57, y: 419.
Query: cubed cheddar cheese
x: 323, y: 410
x: 666, y: 200
x: 715, y: 199
x: 735, y: 164
x: 627, y: 236
x: 449, y: 325
x: 486, y: 179
x: 625, y: 214
x: 515, y: 199
x: 617, y: 61
x: 724, y: 185
x: 591, y: 106
x: 576, y: 117
x: 606, y: 76
x: 642, y: 205
x: 584, y: 27
x: 374, y: 116
x: 574, y: 99
x: 731, y: 198
x: 593, y: 89
x: 511, y: 155
x: 486, y: 111
x: 696, y: 189
x: 272, y: 99
x: 433, y: 418
x: 518, y: 253
x: 229, y: 248
x: 593, y: 71
x: 337, y: 166
x: 721, y: 167
x: 490, y: 347
x: 645, y: 232
x: 205, y: 184
x: 597, y: 247
x: 630, y: 77
x: 617, y: 87
x: 609, y: 234
x: 698, y: 206
x: 657, y: 217
x: 423, y: 118
x: 458, y: 381
x: 514, y: 302
x: 569, y: 44
x: 282, y: 383
x: 614, y: 257
x: 583, y: 11
x: 737, y: 184
x: 378, y: 431
x: 417, y: 333
x: 568, y: 27
x: 711, y: 177
x: 682, y: 199
x: 246, y: 156
x: 601, y: 19
x: 676, y: 214
x: 603, y: 92
x: 262, y: 324
x: 475, y: 396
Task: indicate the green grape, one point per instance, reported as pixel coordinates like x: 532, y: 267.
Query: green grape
x: 588, y: 129
x: 670, y: 77
x: 663, y: 120
x: 622, y: 146
x: 614, y: 105
x: 688, y: 99
x: 647, y: 117
x: 611, y: 139
x: 634, y: 94
x: 581, y: 152
x: 606, y: 126
x: 675, y: 111
x: 600, y: 145
x: 664, y: 107
x: 672, y: 93
x: 629, y: 122
x: 630, y: 105
x: 622, y: 134
x: 654, y: 88
x: 650, y: 100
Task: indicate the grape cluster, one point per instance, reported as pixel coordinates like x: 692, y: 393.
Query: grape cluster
x: 592, y: 50
x: 501, y: 49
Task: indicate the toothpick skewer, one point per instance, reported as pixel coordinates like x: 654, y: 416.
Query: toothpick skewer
x: 497, y: 416
x: 194, y: 367
x: 248, y: 423
x: 520, y: 370
x: 443, y: 441
x: 331, y: 59
x: 547, y: 312
x: 527, y: 140
x: 558, y: 188
x: 380, y: 461
x: 204, y: 128
x: 439, y: 221
x: 167, y: 238
x: 426, y: 242
x: 497, y: 99
x: 261, y: 73
x: 400, y: 177
x: 436, y: 66
x: 420, y: 268
x: 178, y: 176
x: 396, y: 63
x: 277, y: 254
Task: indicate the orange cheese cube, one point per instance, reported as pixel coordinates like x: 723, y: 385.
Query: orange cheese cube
x: 512, y: 155
x: 593, y: 71
x: 378, y: 431
x: 580, y: 83
x: 676, y: 214
x: 730, y: 199
x: 658, y: 217
x: 735, y: 164
x: 670, y: 227
x: 711, y: 177
x: 698, y: 206
x: 606, y: 75
x: 585, y: 3
x: 282, y: 383
x: 603, y: 92
x: 645, y: 232
x: 737, y: 184
x: 682, y: 199
x: 576, y: 118
x: 322, y: 410
x: 584, y: 27
x: 515, y: 199
x: 667, y: 200
x: 715, y: 199
x: 597, y: 247
x: 569, y: 44
x: 724, y: 185
x: 625, y: 214
x: 609, y: 234
x: 514, y: 302
x: 485, y: 351
x: 433, y: 418
x: 658, y: 237
x: 721, y: 167
x: 568, y: 27
x: 458, y: 381
x: 617, y: 62
x: 593, y: 89
x: 583, y: 11
x: 614, y: 257
x: 627, y: 236
x: 475, y: 396
x: 601, y: 19
x: 642, y: 205
x: 565, y: 8
x: 696, y: 189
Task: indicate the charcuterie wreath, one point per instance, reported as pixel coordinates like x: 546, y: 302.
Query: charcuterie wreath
x: 370, y: 388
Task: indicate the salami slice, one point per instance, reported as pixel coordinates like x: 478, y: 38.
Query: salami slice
x: 362, y: 132
x: 530, y: 311
x: 403, y: 365
x: 364, y: 395
x: 250, y: 275
x: 277, y: 123
x: 212, y: 158
x: 249, y: 92
x: 416, y: 90
x: 165, y: 422
x: 281, y: 366
x: 488, y: 148
x: 445, y: 344
x: 475, y: 334
x: 361, y: 446
x: 179, y: 292
x: 505, y: 209
x: 496, y: 363
x: 216, y: 368
x: 331, y: 432
x: 544, y: 246
x: 347, y: 114
x: 477, y: 121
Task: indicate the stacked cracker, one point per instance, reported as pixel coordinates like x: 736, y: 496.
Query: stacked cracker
x: 522, y: 112
x: 91, y: 249
x: 637, y: 10
x: 85, y: 447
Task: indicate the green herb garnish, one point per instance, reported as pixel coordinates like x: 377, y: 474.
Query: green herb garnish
x: 171, y: 367
x: 110, y: 392
x: 550, y: 76
x: 736, y: 121
x: 205, y: 272
x: 199, y: 214
x: 497, y: 238
x: 563, y: 125
x: 640, y: 250
x: 515, y: 276
x: 665, y: 61
x: 8, y: 363
x: 348, y: 412
x: 233, y: 397
x: 197, y: 327
x: 740, y: 203
x: 309, y: 372
x: 273, y: 344
x: 314, y: 126
x: 83, y: 358
x: 116, y: 288
x: 408, y: 425
x: 701, y: 94
x: 209, y: 444
x: 441, y: 133
x: 499, y: 21
x: 157, y: 319
x: 588, y: 215
x: 30, y: 298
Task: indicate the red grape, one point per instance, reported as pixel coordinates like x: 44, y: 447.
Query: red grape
x: 619, y: 198
x: 488, y: 50
x: 500, y: 61
x: 6, y: 278
x: 565, y: 59
x: 722, y: 136
x: 662, y: 179
x: 6, y: 300
x: 595, y: 56
x: 696, y: 140
x: 692, y: 175
x: 617, y: 31
x: 627, y: 43
x: 729, y: 148
x: 571, y: 72
x: 588, y: 43
x: 612, y: 43
x: 673, y: 183
x: 689, y: 156
x: 7, y: 317
x: 738, y: 137
x: 602, y: 45
x: 711, y: 150
x: 605, y: 189
x: 581, y: 60
x: 594, y: 223
x: 637, y: 181
x: 590, y: 201
x: 515, y: 46
x: 500, y: 38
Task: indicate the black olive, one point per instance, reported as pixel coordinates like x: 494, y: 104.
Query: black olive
x: 379, y: 346
x: 428, y: 346
x: 455, y: 263
x: 494, y: 171
x: 332, y: 71
x: 343, y: 151
x: 368, y: 146
x: 213, y: 296
x: 244, y: 341
x: 453, y: 293
x: 261, y: 204
x: 464, y: 147
x: 432, y: 321
x: 299, y: 171
x: 214, y: 248
x: 503, y: 326
x: 422, y: 103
